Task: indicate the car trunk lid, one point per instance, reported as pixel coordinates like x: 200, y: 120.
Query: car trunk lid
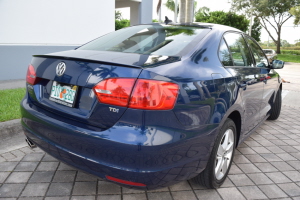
x: 80, y: 76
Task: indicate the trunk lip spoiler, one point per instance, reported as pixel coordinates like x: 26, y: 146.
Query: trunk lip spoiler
x: 165, y: 60
x: 86, y: 60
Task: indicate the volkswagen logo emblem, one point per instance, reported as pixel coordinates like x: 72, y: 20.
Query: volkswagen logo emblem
x: 60, y: 68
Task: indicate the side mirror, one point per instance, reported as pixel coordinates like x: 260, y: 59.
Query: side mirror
x: 277, y: 64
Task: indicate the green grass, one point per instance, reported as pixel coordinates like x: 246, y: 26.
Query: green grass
x: 289, y: 58
x: 282, y: 48
x: 10, y: 103
x: 291, y: 52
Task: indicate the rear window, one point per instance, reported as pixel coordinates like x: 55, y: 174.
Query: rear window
x: 157, y: 39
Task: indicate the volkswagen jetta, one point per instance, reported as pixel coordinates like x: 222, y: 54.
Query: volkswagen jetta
x: 151, y: 105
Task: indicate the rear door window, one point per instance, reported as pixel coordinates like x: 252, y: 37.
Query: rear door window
x: 239, y: 50
x: 224, y: 54
x: 258, y: 54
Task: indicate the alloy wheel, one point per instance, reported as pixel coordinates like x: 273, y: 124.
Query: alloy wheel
x: 224, y: 154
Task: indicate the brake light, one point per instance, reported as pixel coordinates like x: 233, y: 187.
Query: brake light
x: 146, y: 95
x: 124, y: 182
x: 31, y: 75
x: 153, y: 95
x: 114, y: 91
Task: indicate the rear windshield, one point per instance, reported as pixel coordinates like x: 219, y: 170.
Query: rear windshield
x: 154, y: 39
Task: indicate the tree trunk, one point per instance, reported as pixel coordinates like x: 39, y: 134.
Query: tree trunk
x: 278, y: 40
x: 158, y: 10
x: 175, y: 11
x: 189, y: 11
x: 182, y: 10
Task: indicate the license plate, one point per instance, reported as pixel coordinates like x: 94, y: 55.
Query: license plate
x: 63, y: 94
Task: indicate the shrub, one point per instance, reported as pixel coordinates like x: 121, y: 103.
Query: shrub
x: 119, y: 24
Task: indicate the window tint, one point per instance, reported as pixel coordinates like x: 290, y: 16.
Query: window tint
x: 239, y: 50
x: 259, y: 56
x: 224, y: 54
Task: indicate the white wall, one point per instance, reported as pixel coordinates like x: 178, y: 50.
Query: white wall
x: 14, y: 59
x: 55, y: 22
x: 145, y: 11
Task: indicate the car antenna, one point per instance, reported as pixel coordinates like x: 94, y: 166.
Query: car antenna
x: 167, y: 20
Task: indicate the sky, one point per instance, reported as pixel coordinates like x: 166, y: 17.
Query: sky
x: 289, y: 32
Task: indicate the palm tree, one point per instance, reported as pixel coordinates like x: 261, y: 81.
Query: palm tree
x: 118, y: 15
x: 182, y: 9
x: 186, y: 9
x: 158, y: 10
x: 171, y: 5
x: 189, y: 11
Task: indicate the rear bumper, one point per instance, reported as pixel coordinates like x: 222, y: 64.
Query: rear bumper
x: 139, y: 156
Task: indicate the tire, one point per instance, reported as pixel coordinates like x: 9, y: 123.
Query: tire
x: 219, y: 163
x: 276, y: 107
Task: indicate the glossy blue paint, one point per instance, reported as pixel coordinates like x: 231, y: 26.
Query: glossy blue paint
x: 156, y: 148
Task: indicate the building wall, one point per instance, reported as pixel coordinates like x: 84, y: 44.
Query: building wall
x: 29, y: 27
x: 140, y: 10
x: 134, y: 10
x: 14, y: 59
x: 60, y: 22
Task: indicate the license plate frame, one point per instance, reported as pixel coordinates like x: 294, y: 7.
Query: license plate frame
x: 64, y: 94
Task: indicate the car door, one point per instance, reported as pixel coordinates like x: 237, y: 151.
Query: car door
x: 240, y: 64
x: 269, y: 76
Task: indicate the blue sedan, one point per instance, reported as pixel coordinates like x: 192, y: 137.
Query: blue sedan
x: 152, y: 105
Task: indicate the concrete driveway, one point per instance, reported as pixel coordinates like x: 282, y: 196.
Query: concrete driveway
x: 266, y: 166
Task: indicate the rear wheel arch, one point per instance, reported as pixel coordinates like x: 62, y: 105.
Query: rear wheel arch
x: 275, y: 110
x: 221, y: 157
x: 280, y: 87
x: 273, y: 98
x: 235, y: 116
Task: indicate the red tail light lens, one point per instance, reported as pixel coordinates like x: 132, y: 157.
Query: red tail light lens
x: 153, y: 95
x: 114, y: 91
x: 146, y: 95
x: 31, y: 75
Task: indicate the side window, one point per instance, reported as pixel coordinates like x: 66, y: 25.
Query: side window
x: 239, y: 50
x: 259, y: 56
x: 224, y: 54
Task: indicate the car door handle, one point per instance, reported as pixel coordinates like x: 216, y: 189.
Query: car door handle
x: 244, y: 86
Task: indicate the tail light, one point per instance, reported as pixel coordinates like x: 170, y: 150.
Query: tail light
x: 114, y: 91
x: 153, y: 95
x: 137, y: 94
x: 31, y: 75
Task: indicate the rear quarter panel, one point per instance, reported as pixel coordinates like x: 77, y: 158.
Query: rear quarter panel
x: 208, y: 92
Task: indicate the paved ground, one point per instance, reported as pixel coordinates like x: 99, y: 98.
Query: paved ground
x: 266, y: 166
